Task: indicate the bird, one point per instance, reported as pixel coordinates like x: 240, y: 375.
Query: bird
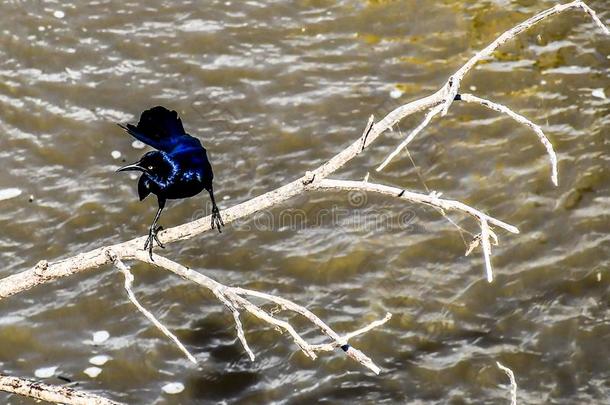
x: 178, y: 168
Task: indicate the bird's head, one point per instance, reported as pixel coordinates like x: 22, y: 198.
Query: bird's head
x: 152, y: 163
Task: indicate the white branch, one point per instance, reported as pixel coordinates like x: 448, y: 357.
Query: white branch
x: 235, y: 299
x: 453, y: 84
x: 433, y: 200
x: 469, y: 98
x: 238, y: 326
x: 513, y: 382
x: 50, y: 393
x: 428, y: 199
x: 132, y: 297
x: 485, y: 243
x: 594, y: 17
x: 434, y: 111
x: 338, y: 341
x: 368, y: 327
x: 343, y: 340
x: 46, y: 272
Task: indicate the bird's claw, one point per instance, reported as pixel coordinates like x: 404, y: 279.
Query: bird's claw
x: 159, y: 229
x: 152, y: 237
x: 217, y: 221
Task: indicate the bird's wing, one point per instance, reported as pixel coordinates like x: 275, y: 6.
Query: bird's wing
x: 162, y: 129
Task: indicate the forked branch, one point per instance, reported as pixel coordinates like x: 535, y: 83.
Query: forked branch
x: 453, y: 84
x: 234, y: 299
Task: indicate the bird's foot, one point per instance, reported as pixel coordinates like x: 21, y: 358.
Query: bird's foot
x: 159, y: 229
x: 152, y: 237
x: 217, y: 221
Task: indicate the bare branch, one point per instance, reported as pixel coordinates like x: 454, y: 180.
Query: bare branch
x: 433, y: 112
x: 513, y: 382
x: 428, y: 199
x: 594, y: 17
x: 433, y: 200
x: 238, y: 326
x: 270, y: 319
x: 233, y: 298
x: 342, y: 340
x: 469, y: 98
x: 485, y: 232
x: 368, y: 327
x: 367, y: 130
x: 50, y: 393
x: 132, y: 297
x: 339, y: 341
x: 453, y: 84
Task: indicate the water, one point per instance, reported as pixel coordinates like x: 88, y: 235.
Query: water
x: 274, y: 90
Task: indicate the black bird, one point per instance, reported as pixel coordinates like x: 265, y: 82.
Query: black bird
x: 179, y: 168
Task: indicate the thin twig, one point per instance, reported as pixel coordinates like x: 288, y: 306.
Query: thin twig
x: 434, y: 111
x: 132, y: 297
x: 469, y: 98
x: 513, y: 382
x: 594, y: 17
x: 368, y: 327
x: 339, y: 341
x: 238, y: 325
x: 486, y: 245
x: 343, y: 340
x: 367, y: 131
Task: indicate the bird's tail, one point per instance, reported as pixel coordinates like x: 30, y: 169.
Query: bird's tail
x: 158, y: 127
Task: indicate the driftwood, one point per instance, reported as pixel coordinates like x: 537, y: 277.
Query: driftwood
x: 237, y: 299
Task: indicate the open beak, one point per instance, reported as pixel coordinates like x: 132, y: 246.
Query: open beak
x: 131, y: 167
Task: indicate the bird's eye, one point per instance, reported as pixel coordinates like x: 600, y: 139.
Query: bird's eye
x: 150, y: 167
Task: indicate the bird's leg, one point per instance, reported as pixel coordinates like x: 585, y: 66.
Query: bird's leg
x: 217, y: 221
x: 152, y: 232
x: 157, y: 230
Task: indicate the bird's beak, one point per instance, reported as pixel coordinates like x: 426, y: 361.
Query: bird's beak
x: 131, y: 167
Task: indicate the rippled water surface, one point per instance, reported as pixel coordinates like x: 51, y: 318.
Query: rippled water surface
x: 274, y: 89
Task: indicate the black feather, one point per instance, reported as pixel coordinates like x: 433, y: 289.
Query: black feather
x: 162, y: 129
x: 143, y: 187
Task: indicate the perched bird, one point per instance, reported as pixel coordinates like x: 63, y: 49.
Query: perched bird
x: 179, y: 168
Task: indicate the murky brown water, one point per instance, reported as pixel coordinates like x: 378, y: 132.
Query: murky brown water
x: 274, y: 89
